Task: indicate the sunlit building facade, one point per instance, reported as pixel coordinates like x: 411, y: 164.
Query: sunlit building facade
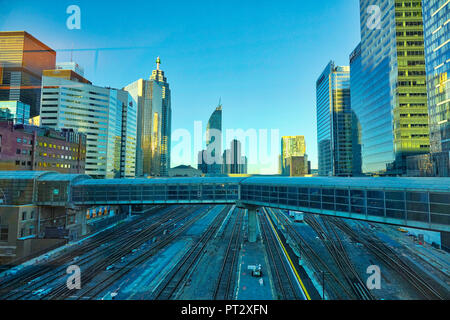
x: 390, y: 104
x: 154, y: 114
x: 334, y: 121
x: 22, y: 60
x: 291, y: 146
x: 436, y: 17
x: 95, y: 111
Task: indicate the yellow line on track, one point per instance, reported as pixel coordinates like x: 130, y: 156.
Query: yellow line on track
x: 289, y: 258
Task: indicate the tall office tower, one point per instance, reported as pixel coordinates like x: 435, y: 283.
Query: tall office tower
x: 70, y: 101
x: 22, y: 60
x: 214, y: 142
x: 356, y: 99
x: 128, y: 135
x: 391, y: 102
x: 436, y: 17
x: 154, y: 123
x: 334, y: 121
x: 233, y: 161
x: 291, y: 146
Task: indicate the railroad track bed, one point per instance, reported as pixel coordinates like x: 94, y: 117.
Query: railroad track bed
x: 283, y: 278
x: 50, y: 283
x: 346, y: 280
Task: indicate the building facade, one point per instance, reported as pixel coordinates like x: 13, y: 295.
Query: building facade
x: 291, y: 146
x: 22, y: 60
x: 154, y: 118
x: 436, y: 17
x: 334, y: 121
x: 25, y: 147
x: 71, y: 102
x: 19, y: 111
x: 390, y: 102
x: 210, y: 161
x: 233, y: 160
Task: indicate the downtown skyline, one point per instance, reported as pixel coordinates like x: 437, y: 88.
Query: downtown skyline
x: 207, y: 68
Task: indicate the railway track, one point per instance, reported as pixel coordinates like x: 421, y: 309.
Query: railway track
x: 91, y: 291
x: 93, y: 261
x: 390, y: 258
x: 285, y: 284
x: 338, y: 289
x: 32, y: 273
x: 177, y: 276
x: 224, y: 286
x: 333, y: 242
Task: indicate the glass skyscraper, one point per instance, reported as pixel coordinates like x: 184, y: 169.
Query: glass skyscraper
x: 390, y: 101
x: 154, y: 123
x: 213, y: 146
x: 436, y: 16
x: 334, y: 120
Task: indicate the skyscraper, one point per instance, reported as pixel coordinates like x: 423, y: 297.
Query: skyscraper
x: 390, y: 103
x: 71, y: 102
x: 436, y: 17
x: 213, y: 156
x: 293, y: 157
x: 154, y: 123
x: 22, y: 60
x: 233, y: 160
x: 334, y: 121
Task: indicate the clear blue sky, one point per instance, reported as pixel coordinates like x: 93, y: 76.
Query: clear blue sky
x: 261, y: 57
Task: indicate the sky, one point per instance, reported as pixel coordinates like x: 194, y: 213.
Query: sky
x: 261, y: 58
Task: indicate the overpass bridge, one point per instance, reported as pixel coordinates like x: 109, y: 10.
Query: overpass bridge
x: 411, y: 202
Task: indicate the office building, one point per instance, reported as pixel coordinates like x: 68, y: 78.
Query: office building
x: 154, y: 116
x: 210, y: 160
x: 291, y: 146
x: 296, y: 166
x: 334, y: 121
x: 390, y: 101
x: 22, y: 60
x: 70, y: 101
x: 18, y: 111
x: 233, y: 160
x: 25, y: 147
x: 436, y: 17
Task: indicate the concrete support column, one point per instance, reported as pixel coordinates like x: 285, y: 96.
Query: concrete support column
x: 252, y: 225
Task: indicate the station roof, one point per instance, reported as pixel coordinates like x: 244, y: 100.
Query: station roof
x: 22, y: 175
x: 54, y: 176
x: 162, y: 181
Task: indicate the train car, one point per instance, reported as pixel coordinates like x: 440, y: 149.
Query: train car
x: 298, y: 217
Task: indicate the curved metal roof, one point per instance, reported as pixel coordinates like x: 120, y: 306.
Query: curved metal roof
x: 161, y: 181
x: 54, y: 176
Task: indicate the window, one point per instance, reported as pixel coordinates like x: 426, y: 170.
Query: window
x: 3, y: 233
x: 24, y: 215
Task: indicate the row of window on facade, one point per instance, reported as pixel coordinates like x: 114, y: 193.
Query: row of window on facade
x: 48, y: 164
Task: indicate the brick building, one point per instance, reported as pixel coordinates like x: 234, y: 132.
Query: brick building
x: 26, y: 147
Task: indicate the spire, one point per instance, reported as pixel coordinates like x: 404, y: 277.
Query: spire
x: 158, y: 62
